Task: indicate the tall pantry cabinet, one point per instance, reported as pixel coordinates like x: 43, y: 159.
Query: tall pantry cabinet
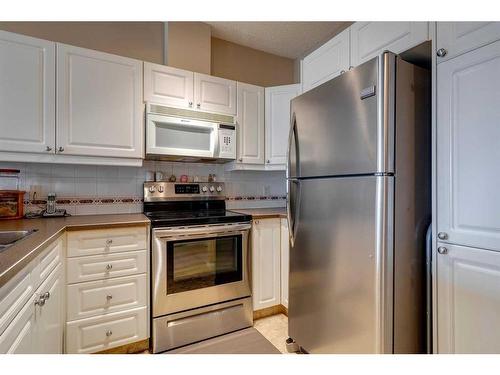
x: 468, y: 203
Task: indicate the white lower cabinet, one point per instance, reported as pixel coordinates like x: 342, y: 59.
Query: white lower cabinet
x: 266, y: 275
x: 107, y: 331
x: 285, y: 261
x: 468, y: 297
x: 107, y: 288
x: 32, y: 306
x: 49, y: 315
x: 270, y: 263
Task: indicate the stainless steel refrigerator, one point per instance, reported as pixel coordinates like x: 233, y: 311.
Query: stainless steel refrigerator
x: 358, y: 180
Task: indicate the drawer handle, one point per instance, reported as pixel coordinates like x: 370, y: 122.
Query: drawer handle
x: 109, y: 242
x: 109, y: 266
x: 40, y: 301
x: 46, y: 295
x: 109, y: 297
x: 109, y: 333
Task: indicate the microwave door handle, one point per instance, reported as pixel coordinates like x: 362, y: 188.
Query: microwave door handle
x: 216, y: 147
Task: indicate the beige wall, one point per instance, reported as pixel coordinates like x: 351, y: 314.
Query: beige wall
x: 139, y: 40
x: 189, y: 46
x: 240, y: 63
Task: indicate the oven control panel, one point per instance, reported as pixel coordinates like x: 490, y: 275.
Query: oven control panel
x: 165, y: 191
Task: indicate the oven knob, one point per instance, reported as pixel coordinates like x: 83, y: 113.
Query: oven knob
x: 152, y: 189
x: 219, y: 189
x: 204, y: 189
x: 161, y: 189
x: 212, y: 189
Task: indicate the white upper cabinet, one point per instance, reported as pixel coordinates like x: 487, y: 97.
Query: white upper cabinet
x: 327, y: 62
x: 99, y: 104
x: 214, y: 94
x: 455, y: 38
x: 169, y: 86
x: 278, y: 121
x: 368, y: 39
x: 27, y: 94
x: 468, y: 298
x: 250, y: 122
x: 468, y: 134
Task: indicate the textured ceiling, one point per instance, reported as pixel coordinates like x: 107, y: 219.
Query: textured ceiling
x: 287, y: 39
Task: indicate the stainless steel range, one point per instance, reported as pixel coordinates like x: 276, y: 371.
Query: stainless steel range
x: 200, y: 263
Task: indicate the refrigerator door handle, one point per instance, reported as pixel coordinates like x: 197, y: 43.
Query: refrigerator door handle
x: 292, y: 206
x: 293, y: 145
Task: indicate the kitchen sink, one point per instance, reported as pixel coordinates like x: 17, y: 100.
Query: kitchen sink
x: 10, y: 237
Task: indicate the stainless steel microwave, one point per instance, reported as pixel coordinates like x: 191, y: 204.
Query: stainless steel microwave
x: 186, y: 135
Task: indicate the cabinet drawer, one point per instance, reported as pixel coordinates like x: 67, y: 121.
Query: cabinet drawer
x: 105, y: 266
x: 100, y: 333
x: 106, y: 296
x: 101, y: 241
x: 14, y: 295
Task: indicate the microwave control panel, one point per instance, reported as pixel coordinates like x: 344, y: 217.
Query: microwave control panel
x: 227, y: 143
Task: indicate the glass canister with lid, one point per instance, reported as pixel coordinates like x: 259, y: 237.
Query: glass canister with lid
x: 11, y: 198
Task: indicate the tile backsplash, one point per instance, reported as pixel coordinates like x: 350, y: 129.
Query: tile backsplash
x: 86, y: 189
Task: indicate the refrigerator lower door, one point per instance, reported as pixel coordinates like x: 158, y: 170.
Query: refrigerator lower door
x: 341, y: 265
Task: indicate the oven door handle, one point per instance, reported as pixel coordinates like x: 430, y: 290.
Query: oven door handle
x: 208, y: 230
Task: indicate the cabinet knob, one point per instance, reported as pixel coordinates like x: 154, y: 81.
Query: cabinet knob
x: 240, y: 159
x: 443, y: 236
x: 60, y: 149
x: 48, y: 148
x: 441, y: 52
x: 109, y: 297
x: 268, y: 161
x: 190, y: 104
x: 109, y: 332
x: 40, y: 301
x: 342, y: 71
x: 109, y: 242
x: 351, y: 67
x: 46, y: 295
x: 198, y: 105
x: 442, y: 250
x: 109, y: 266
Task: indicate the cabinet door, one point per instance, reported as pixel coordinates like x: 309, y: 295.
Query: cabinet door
x: 99, y: 104
x: 278, y: 121
x: 368, y: 39
x: 19, y: 337
x: 266, y: 263
x: 468, y: 300
x: 459, y: 37
x: 170, y: 86
x: 327, y: 62
x: 27, y: 94
x: 214, y: 94
x: 285, y: 262
x: 250, y: 120
x: 49, y: 316
x: 468, y: 133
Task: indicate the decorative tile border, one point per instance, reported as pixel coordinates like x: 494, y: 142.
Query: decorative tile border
x: 75, y: 201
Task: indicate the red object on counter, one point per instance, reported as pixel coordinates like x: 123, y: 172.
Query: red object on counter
x: 11, y: 204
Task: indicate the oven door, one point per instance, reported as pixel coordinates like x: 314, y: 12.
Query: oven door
x: 198, y: 266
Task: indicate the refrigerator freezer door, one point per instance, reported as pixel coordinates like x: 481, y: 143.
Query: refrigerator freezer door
x: 344, y: 126
x: 339, y: 301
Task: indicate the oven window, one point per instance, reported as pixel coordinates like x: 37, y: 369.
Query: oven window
x: 201, y: 263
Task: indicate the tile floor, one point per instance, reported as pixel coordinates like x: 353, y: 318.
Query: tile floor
x: 275, y: 329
